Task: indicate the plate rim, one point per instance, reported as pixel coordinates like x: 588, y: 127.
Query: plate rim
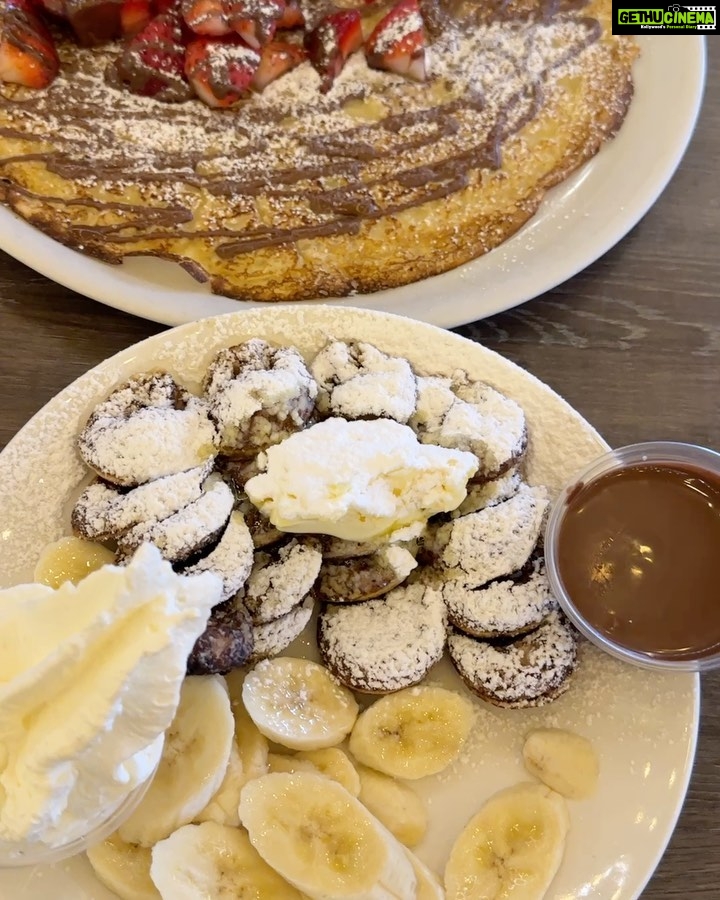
x: 115, y: 287
x: 687, y: 777
x: 123, y: 357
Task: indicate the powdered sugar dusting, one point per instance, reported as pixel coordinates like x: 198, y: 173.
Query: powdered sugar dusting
x: 386, y: 644
x: 281, y: 579
x: 364, y: 577
x: 493, y: 542
x: 259, y: 394
x: 503, y: 607
x: 232, y: 559
x: 147, y: 428
x: 528, y: 672
x: 186, y: 532
x: 397, y: 30
x: 103, y: 512
x: 471, y: 416
x: 357, y: 380
x: 272, y: 638
x: 225, y: 57
x: 489, y: 493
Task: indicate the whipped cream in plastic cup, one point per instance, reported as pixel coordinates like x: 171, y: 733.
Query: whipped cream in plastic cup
x: 90, y: 682
x: 37, y: 853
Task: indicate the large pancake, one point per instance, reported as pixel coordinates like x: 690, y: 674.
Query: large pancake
x: 295, y: 194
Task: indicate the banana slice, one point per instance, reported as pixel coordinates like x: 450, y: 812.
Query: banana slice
x: 284, y: 762
x: 223, y: 806
x: 395, y: 804
x: 234, y: 681
x: 70, y: 559
x: 416, y: 732
x: 564, y: 761
x: 332, y: 763
x: 323, y: 840
x: 428, y: 884
x: 511, y: 848
x: 123, y: 868
x: 211, y: 860
x: 252, y: 746
x: 298, y: 704
x: 193, y: 765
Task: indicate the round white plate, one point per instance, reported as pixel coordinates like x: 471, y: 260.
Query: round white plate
x: 579, y: 221
x: 643, y: 725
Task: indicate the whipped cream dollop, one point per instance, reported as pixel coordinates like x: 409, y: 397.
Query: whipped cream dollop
x: 359, y: 480
x: 90, y: 678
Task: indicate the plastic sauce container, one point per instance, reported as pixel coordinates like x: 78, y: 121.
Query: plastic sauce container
x: 632, y: 550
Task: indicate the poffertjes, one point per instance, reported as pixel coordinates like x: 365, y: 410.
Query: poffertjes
x: 304, y: 190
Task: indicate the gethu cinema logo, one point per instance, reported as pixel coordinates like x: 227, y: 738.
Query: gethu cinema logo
x: 676, y: 15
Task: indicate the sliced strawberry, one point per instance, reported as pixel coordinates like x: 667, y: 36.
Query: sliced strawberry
x: 255, y: 20
x: 134, y: 16
x: 164, y: 6
x: 331, y: 42
x: 221, y: 70
x: 94, y: 21
x: 277, y: 58
x: 292, y: 16
x: 397, y: 43
x: 27, y: 51
x: 152, y: 63
x: 206, y: 17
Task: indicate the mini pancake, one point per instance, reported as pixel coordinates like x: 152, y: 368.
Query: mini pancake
x: 104, y: 512
x: 504, y: 608
x: 147, y: 428
x: 358, y: 381
x: 489, y: 544
x: 531, y: 670
x: 226, y: 644
x: 471, y: 416
x: 231, y: 559
x: 386, y: 644
x: 258, y: 395
x: 271, y: 638
x: 187, y: 533
x: 281, y: 578
x: 364, y: 577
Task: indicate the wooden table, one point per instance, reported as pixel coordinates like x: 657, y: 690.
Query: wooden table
x: 633, y: 343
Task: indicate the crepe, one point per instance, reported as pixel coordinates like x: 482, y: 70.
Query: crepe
x: 296, y: 194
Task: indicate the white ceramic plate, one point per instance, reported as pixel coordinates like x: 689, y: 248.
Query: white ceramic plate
x: 579, y: 221
x: 644, y: 725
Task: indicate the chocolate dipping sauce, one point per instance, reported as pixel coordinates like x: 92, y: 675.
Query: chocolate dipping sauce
x: 639, y: 555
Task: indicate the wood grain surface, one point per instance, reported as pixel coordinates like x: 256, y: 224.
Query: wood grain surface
x: 633, y: 343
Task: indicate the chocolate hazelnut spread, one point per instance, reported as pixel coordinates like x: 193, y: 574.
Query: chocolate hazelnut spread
x: 637, y: 554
